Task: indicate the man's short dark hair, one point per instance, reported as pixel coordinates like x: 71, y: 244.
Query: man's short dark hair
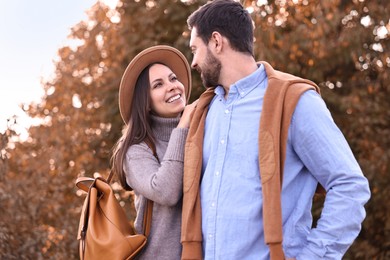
x: 227, y: 17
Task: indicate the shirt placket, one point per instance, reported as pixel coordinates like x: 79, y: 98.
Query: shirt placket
x: 225, y: 114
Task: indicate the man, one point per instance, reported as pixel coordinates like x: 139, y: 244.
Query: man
x: 223, y: 200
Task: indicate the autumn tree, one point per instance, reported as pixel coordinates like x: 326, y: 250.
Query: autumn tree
x: 341, y: 45
x: 80, y: 123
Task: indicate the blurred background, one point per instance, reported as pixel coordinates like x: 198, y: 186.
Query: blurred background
x: 68, y: 124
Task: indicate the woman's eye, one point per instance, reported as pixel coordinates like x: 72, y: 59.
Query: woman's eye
x: 157, y: 85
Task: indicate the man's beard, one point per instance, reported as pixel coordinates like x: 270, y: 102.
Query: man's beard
x: 211, y: 70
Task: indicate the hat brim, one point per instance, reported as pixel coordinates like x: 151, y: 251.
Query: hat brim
x: 167, y: 55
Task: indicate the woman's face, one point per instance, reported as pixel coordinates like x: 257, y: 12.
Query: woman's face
x: 166, y: 92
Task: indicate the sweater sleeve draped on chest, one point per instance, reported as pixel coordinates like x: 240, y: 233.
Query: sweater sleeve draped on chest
x: 275, y: 120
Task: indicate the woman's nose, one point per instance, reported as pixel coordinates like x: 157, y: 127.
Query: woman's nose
x: 172, y: 86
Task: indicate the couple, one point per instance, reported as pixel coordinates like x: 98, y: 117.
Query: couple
x: 216, y: 212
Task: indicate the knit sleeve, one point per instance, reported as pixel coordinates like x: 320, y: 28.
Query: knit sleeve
x: 175, y: 149
x: 163, y: 182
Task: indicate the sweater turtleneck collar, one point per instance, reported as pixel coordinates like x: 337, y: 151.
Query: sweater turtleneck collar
x: 162, y: 127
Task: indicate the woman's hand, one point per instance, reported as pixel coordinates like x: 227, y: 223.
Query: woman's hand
x: 186, y: 116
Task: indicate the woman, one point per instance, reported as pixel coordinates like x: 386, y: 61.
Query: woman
x: 152, y: 99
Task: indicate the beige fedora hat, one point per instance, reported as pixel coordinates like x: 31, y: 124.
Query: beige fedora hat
x: 167, y: 55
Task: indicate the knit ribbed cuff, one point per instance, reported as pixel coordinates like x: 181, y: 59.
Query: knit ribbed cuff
x: 175, y: 149
x: 276, y: 251
x: 192, y: 251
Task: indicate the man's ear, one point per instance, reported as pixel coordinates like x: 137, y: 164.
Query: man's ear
x: 216, y: 41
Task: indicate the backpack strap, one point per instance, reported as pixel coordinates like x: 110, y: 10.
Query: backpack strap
x: 147, y: 222
x: 278, y: 107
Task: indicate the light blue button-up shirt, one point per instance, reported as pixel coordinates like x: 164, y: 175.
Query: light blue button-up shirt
x: 231, y: 194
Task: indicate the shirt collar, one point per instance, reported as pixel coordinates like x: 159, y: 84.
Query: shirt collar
x: 245, y: 85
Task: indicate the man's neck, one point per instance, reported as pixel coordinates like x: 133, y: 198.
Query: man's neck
x: 235, y: 67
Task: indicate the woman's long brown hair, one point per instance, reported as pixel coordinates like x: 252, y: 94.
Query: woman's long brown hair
x: 138, y: 127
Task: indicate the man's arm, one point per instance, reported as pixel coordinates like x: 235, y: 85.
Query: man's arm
x: 325, y: 152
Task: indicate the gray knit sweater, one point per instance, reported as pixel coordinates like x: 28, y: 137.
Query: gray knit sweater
x: 162, y: 183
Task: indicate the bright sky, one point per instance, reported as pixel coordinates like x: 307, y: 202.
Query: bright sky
x: 31, y: 32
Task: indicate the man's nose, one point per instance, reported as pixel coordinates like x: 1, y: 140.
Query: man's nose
x: 194, y: 65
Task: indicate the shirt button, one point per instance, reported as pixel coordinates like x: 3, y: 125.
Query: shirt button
x: 217, y: 173
x: 222, y: 141
x: 213, y: 204
x: 210, y: 236
x: 227, y: 111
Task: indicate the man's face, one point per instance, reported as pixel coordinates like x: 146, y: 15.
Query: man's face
x: 204, y: 61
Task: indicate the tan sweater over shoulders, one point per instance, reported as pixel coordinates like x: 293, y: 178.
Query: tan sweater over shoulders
x: 274, y: 123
